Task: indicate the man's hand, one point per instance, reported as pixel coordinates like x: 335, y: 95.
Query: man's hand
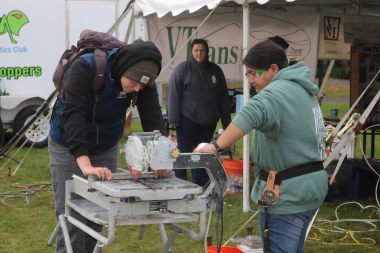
x: 161, y: 173
x: 87, y: 169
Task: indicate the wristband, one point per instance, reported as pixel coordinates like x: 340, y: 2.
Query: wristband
x: 216, y: 146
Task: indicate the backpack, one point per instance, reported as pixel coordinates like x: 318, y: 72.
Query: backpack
x: 89, y: 42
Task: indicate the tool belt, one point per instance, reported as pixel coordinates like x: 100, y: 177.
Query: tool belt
x: 271, y: 192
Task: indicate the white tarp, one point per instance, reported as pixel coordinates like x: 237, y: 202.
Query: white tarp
x: 174, y: 6
x: 224, y: 31
x: 337, y: 31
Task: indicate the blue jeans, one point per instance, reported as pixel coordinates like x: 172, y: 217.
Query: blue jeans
x: 189, y: 135
x: 286, y: 231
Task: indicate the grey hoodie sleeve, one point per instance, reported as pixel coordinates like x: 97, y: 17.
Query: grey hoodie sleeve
x: 225, y: 104
x: 174, y: 97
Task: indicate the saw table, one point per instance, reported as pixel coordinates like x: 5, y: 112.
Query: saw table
x: 163, y: 201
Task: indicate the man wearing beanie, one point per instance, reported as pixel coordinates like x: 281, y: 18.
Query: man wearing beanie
x: 84, y: 139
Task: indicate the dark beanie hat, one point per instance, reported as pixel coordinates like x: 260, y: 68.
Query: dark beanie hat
x: 143, y: 72
x: 142, y: 56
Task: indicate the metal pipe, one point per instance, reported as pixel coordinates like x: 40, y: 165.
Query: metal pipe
x: 141, y: 232
x: 65, y: 232
x: 92, y: 232
x: 118, y: 21
x: 180, y: 49
x: 131, y: 21
x: 169, y: 242
x: 54, y: 234
x: 246, y: 169
x: 98, y: 247
x: 191, y: 234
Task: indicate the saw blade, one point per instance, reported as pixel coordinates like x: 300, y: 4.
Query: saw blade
x: 134, y: 173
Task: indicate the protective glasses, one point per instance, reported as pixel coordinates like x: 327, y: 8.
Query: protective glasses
x: 257, y: 74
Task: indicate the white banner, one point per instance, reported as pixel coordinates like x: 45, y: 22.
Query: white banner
x: 224, y: 32
x: 337, y: 31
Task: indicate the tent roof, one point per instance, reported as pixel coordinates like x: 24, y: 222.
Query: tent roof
x: 365, y: 7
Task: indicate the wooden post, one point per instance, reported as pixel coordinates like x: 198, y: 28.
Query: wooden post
x: 354, y: 81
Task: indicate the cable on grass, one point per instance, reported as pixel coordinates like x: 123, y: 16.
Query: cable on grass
x: 24, y: 193
x: 349, y: 234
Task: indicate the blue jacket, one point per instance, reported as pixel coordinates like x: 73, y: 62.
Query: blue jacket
x: 73, y: 115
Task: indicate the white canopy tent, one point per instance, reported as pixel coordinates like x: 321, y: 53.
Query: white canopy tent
x: 162, y: 8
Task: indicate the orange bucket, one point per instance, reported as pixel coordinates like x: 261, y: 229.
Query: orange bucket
x: 224, y: 249
x: 234, y: 170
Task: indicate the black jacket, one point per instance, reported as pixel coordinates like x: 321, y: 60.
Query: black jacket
x: 199, y: 93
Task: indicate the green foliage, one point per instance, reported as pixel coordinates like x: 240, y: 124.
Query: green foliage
x: 341, y: 70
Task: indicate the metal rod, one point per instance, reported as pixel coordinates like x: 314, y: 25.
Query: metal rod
x: 192, y: 35
x: 141, y: 232
x: 169, y: 242
x: 54, y: 234
x: 65, y: 232
x: 163, y: 235
x: 246, y: 169
x: 90, y: 231
x: 118, y: 21
x: 98, y: 247
x: 189, y: 233
x: 131, y: 21
x: 327, y: 75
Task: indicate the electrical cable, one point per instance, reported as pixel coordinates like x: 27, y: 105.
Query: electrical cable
x: 25, y: 193
x: 219, y: 216
x: 1, y: 132
x: 208, y: 225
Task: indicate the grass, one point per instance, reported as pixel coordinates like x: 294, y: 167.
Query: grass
x: 27, y: 229
x: 336, y: 91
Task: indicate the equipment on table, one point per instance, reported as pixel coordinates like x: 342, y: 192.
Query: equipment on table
x: 162, y: 201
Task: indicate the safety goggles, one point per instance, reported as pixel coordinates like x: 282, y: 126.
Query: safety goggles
x: 257, y: 74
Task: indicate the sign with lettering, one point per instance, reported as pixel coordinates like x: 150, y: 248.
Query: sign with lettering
x: 224, y: 33
x: 337, y: 31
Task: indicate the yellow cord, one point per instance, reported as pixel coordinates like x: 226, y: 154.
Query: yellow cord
x: 346, y: 237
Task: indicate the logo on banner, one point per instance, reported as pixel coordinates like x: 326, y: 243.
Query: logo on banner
x: 12, y: 24
x: 331, y: 28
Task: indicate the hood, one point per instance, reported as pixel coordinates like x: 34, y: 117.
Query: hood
x: 300, y: 74
x: 129, y: 54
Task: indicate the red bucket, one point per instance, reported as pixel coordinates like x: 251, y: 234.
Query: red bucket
x: 234, y: 170
x: 224, y: 249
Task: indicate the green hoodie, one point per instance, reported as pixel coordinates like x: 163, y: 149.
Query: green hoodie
x: 289, y: 132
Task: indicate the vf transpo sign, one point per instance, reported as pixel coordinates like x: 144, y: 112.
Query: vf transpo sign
x: 224, y: 33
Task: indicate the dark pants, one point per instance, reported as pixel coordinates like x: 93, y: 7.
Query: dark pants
x: 189, y: 135
x: 63, y: 166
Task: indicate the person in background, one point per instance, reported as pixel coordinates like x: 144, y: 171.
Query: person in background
x: 197, y: 99
x: 288, y: 139
x: 84, y: 144
x: 280, y: 42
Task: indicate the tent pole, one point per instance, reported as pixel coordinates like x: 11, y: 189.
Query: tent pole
x: 180, y: 49
x: 145, y: 29
x: 246, y: 93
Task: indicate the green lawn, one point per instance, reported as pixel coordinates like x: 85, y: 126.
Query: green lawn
x: 27, y: 229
